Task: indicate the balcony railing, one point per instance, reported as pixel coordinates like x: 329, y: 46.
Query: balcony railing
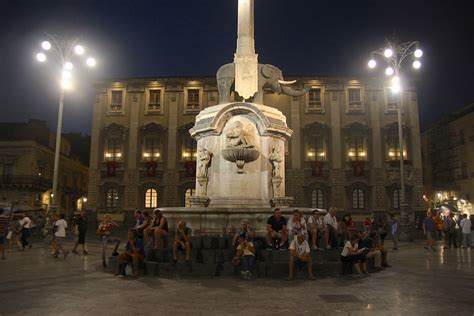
x: 31, y: 181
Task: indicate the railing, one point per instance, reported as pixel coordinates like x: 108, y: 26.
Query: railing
x: 33, y: 181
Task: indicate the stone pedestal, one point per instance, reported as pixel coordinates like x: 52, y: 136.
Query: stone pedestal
x: 240, y: 152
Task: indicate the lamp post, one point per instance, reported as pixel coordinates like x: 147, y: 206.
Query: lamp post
x: 395, y: 54
x: 62, y: 51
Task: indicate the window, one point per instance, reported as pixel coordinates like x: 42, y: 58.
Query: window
x: 188, y: 193
x: 317, y: 199
x: 396, y: 199
x: 152, y: 149
x: 393, y: 101
x: 193, y: 100
x: 354, y: 97
x: 151, y: 198
x: 114, y: 149
x: 394, y: 149
x: 314, y: 100
x: 357, y: 148
x: 111, y: 198
x: 116, y: 101
x: 358, y: 201
x: 190, y: 149
x: 316, y: 149
x: 154, y: 101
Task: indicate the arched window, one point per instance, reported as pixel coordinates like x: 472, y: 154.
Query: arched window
x: 111, y: 198
x: 188, y: 193
x: 317, y: 198
x: 358, y: 200
x: 396, y: 198
x: 151, y: 198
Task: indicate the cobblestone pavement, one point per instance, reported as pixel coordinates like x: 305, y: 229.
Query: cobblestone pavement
x: 420, y: 283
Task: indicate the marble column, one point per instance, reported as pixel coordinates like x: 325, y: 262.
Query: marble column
x: 131, y: 175
x: 377, y: 174
x: 337, y: 170
x: 171, y: 175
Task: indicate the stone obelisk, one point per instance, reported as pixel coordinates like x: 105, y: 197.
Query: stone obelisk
x: 245, y: 59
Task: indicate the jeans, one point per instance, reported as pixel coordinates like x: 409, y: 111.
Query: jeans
x: 248, y: 262
x: 466, y: 240
x: 104, y: 240
x: 25, y: 234
x: 395, y: 240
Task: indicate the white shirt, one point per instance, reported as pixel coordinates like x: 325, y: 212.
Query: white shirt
x: 301, y: 249
x: 466, y: 226
x: 319, y: 221
x: 61, y: 226
x: 297, y: 226
x: 330, y: 220
x: 25, y: 222
x: 345, y: 252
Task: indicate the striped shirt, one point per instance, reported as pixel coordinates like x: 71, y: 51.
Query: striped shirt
x: 3, y: 225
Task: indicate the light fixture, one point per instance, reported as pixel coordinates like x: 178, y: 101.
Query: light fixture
x: 416, y: 64
x: 78, y: 49
x: 351, y: 154
x: 68, y: 65
x: 389, y: 71
x: 418, y: 53
x: 108, y: 155
x: 391, y: 153
x: 362, y: 154
x: 118, y: 155
x: 157, y: 155
x: 41, y: 57
x: 146, y: 155
x: 84, y: 199
x: 388, y: 52
x: 46, y: 45
x: 67, y: 74
x: 66, y: 84
x: 372, y: 63
x: 439, y: 195
x: 90, y: 62
x: 322, y: 154
x: 311, y: 154
x: 186, y: 154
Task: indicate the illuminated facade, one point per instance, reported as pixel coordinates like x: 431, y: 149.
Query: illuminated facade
x: 344, y: 150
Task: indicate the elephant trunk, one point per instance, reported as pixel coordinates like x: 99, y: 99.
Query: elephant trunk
x: 293, y: 92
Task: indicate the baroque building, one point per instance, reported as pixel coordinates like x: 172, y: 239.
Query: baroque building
x: 26, y: 167
x: 344, y: 149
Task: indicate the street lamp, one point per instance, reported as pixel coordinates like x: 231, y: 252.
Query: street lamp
x: 62, y: 51
x: 395, y: 54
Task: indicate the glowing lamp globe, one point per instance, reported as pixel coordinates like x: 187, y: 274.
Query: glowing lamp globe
x: 389, y: 71
x: 46, y: 45
x: 388, y: 53
x: 41, y: 57
x: 372, y: 63
x: 416, y: 64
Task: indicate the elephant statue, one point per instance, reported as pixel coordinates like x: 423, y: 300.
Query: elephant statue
x: 269, y: 76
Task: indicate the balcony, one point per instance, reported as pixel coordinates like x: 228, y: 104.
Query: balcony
x: 392, y: 171
x: 33, y: 182
x: 316, y: 169
x: 357, y: 170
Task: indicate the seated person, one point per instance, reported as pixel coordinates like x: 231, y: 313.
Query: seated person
x: 332, y: 228
x: 379, y: 254
x: 296, y: 224
x: 246, y: 255
x: 348, y: 227
x: 182, y: 241
x: 134, y: 254
x: 351, y: 254
x: 316, y: 228
x: 300, y: 254
x: 143, y: 224
x: 276, y: 230
x: 245, y: 229
x: 157, y: 229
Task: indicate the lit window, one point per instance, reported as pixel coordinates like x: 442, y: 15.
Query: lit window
x: 152, y: 149
x: 357, y: 148
x: 193, y: 101
x: 114, y: 149
x: 189, y: 193
x: 116, y: 100
x: 151, y: 198
x: 358, y: 201
x: 154, y: 102
x: 394, y: 149
x: 316, y: 149
x: 396, y: 198
x: 189, y: 149
x: 314, y: 100
x: 111, y: 198
x: 317, y: 199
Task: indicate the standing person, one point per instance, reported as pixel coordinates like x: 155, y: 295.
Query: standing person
x: 317, y: 228
x: 381, y: 231
x: 60, y: 236
x: 429, y: 230
x: 276, y: 230
x: 438, y: 226
x: 105, y: 231
x: 449, y: 228
x: 296, y: 224
x: 3, y: 232
x: 134, y: 254
x: 81, y: 229
x: 332, y: 228
x: 395, y: 230
x: 300, y: 254
x: 246, y: 255
x: 25, y: 223
x: 466, y: 232
x: 182, y: 241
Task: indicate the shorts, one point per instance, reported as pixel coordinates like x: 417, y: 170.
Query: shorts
x: 430, y: 235
x: 276, y: 235
x: 353, y: 259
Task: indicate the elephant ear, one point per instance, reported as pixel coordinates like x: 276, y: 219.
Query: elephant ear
x: 267, y: 71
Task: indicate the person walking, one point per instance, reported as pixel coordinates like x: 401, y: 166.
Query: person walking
x: 80, y: 228
x: 466, y: 232
x: 105, y: 230
x: 25, y: 223
x: 60, y: 236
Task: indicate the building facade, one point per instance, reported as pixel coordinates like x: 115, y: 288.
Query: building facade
x: 448, y: 158
x: 26, y: 168
x: 344, y: 150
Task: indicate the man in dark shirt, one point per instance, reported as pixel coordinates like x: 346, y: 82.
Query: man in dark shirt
x: 276, y: 230
x: 80, y: 230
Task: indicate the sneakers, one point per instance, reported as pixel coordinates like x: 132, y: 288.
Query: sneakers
x: 245, y: 274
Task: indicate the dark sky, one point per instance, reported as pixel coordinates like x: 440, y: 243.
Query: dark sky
x: 134, y: 38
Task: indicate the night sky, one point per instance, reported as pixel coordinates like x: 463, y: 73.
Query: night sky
x: 194, y: 37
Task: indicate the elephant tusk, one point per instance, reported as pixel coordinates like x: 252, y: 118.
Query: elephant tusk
x: 286, y: 83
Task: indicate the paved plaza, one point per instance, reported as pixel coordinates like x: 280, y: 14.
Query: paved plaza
x: 420, y: 282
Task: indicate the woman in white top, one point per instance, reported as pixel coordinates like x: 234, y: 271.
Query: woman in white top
x: 317, y: 228
x: 351, y: 254
x: 296, y: 224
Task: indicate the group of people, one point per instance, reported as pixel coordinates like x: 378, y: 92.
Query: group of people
x: 454, y: 230
x: 16, y: 231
